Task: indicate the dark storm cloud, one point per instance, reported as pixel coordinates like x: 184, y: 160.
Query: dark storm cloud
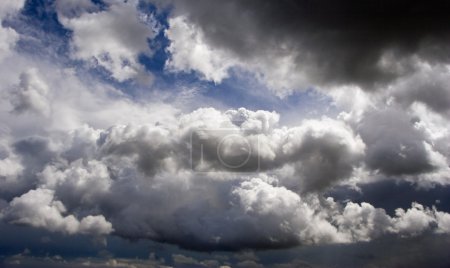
x: 362, y: 42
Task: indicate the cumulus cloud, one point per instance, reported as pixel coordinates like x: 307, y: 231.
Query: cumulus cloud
x: 284, y: 212
x: 39, y: 209
x: 363, y: 221
x: 94, y: 180
x: 112, y: 38
x: 399, y: 104
x: 328, y: 151
x: 402, y: 125
x: 396, y: 147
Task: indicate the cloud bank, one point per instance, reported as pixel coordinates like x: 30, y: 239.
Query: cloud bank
x: 124, y: 179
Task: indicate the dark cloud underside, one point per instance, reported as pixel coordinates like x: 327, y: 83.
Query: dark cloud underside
x: 336, y: 42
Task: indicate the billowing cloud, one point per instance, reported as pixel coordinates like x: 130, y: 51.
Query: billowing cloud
x: 396, y: 147
x: 403, y: 125
x: 124, y: 179
x: 39, y: 209
x: 112, y: 38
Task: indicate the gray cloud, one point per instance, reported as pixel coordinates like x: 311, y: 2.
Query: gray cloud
x: 129, y: 178
x: 364, y: 43
x: 31, y: 94
x: 428, y: 86
x: 38, y: 208
x: 395, y: 147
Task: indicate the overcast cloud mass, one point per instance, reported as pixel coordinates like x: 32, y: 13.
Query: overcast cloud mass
x: 215, y: 131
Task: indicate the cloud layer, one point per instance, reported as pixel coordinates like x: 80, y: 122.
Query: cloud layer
x: 124, y: 179
x: 80, y: 156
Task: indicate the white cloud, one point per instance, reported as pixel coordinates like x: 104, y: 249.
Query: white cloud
x: 282, y: 214
x: 8, y: 36
x: 39, y: 209
x: 414, y: 220
x: 10, y: 7
x: 443, y: 220
x: 189, y: 52
x: 112, y: 38
x: 8, y: 39
x: 96, y: 225
x: 362, y: 222
x: 80, y: 183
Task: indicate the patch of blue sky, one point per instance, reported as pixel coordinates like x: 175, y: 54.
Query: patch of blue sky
x: 41, y: 34
x: 156, y: 19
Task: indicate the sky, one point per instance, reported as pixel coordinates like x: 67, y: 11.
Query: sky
x: 208, y: 133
